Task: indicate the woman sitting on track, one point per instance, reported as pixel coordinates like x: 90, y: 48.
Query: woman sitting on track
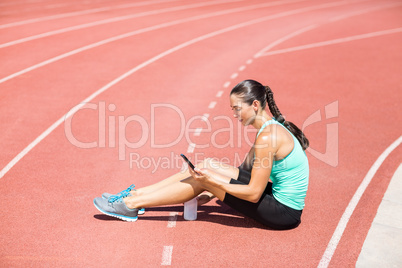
x: 271, y: 184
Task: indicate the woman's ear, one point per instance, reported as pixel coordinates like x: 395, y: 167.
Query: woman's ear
x: 256, y: 105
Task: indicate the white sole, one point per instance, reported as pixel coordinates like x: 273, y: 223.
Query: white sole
x: 121, y: 217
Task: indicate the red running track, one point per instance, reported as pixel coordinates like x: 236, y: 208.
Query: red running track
x: 333, y: 65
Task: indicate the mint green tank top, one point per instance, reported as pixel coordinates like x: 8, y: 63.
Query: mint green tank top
x: 290, y: 175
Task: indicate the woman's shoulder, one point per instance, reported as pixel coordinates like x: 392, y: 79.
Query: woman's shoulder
x: 270, y: 133
x: 267, y: 137
x: 274, y: 136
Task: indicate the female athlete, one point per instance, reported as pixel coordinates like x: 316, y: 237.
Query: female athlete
x: 269, y: 187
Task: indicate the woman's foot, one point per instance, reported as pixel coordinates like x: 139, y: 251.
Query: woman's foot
x: 116, y: 208
x: 124, y: 193
x: 130, y: 191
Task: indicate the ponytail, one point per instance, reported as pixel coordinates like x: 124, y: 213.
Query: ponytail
x: 250, y: 90
x: 279, y: 117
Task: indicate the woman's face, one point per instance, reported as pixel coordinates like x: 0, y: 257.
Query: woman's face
x: 242, y: 111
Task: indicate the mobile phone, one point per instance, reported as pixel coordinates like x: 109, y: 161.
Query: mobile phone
x: 189, y: 163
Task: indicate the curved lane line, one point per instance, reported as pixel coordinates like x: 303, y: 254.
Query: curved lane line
x: 361, y: 12
x: 17, y: 158
x: 264, y: 51
x: 333, y: 42
x: 333, y: 243
x: 82, y: 12
x: 140, y: 31
x: 283, y: 39
x: 111, y: 20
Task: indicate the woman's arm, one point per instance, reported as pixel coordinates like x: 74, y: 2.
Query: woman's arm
x: 264, y: 154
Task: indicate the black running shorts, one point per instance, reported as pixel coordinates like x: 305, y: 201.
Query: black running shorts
x: 267, y: 210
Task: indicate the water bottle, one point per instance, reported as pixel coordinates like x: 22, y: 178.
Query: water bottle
x: 190, y: 209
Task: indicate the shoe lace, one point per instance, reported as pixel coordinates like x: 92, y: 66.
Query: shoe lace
x: 115, y: 199
x: 121, y: 195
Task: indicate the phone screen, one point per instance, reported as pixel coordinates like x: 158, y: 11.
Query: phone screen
x: 188, y: 162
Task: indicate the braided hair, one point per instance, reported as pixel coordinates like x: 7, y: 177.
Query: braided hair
x: 250, y: 90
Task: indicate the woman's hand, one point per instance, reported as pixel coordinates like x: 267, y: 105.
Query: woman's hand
x: 200, y: 175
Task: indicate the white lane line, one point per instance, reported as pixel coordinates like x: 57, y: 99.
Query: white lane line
x: 205, y: 117
x: 227, y: 84
x: 191, y: 148
x: 129, y: 34
x: 20, y: 155
x: 167, y: 255
x: 283, y: 39
x: 249, y: 61
x: 212, y: 105
x: 241, y: 68
x: 360, y: 12
x: 313, y: 26
x: 333, y: 42
x: 219, y: 94
x: 111, y: 20
x: 233, y: 76
x: 198, y: 131
x: 172, y: 220
x: 79, y: 13
x: 333, y: 243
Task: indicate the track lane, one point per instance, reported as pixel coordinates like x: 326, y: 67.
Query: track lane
x: 28, y: 10
x: 79, y: 13
x: 107, y: 71
x: 34, y: 31
x: 72, y: 192
x: 123, y: 31
x: 271, y: 242
x: 145, y: 12
x: 11, y: 101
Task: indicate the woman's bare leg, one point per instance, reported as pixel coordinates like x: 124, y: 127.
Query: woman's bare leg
x: 176, y: 193
x: 212, y: 164
x: 163, y: 183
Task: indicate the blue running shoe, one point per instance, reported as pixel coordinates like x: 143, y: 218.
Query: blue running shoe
x: 116, y: 208
x: 123, y: 194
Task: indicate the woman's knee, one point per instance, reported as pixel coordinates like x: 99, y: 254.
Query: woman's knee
x: 197, y: 185
x: 204, y: 163
x: 209, y: 163
x: 219, y: 167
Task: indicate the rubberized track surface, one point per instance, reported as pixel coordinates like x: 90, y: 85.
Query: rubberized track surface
x: 334, y: 67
